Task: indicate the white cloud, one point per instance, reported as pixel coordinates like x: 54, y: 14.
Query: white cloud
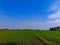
x: 55, y: 15
x: 56, y: 8
x: 11, y: 23
x: 54, y: 18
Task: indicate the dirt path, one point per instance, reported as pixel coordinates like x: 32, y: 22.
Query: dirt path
x: 43, y: 40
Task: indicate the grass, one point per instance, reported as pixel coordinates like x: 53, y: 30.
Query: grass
x: 15, y: 36
x: 25, y: 37
x: 19, y: 37
x: 52, y: 36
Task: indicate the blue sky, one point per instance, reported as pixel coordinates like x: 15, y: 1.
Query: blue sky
x: 29, y: 14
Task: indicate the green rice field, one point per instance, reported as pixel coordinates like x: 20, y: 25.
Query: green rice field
x: 29, y: 37
x: 50, y: 36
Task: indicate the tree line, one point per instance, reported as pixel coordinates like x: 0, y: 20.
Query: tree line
x: 55, y: 28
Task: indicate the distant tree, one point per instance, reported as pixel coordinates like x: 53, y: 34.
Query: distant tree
x: 51, y: 29
x: 55, y: 28
x: 6, y: 29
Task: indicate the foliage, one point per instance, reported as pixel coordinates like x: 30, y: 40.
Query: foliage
x: 55, y: 28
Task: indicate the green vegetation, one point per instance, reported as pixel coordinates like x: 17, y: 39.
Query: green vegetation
x: 30, y: 37
x: 19, y: 37
x: 51, y: 36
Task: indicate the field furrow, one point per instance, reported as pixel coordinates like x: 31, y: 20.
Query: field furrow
x: 19, y: 38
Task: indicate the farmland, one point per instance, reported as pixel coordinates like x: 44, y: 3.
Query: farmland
x: 18, y: 38
x: 29, y: 37
x: 50, y: 36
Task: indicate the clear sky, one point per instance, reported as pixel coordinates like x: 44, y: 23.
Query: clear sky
x: 29, y: 14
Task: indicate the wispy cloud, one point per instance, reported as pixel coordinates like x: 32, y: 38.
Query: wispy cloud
x: 55, y: 15
x: 54, y: 20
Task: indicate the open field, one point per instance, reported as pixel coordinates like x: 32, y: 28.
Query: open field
x: 51, y: 36
x: 18, y: 38
x: 27, y: 37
